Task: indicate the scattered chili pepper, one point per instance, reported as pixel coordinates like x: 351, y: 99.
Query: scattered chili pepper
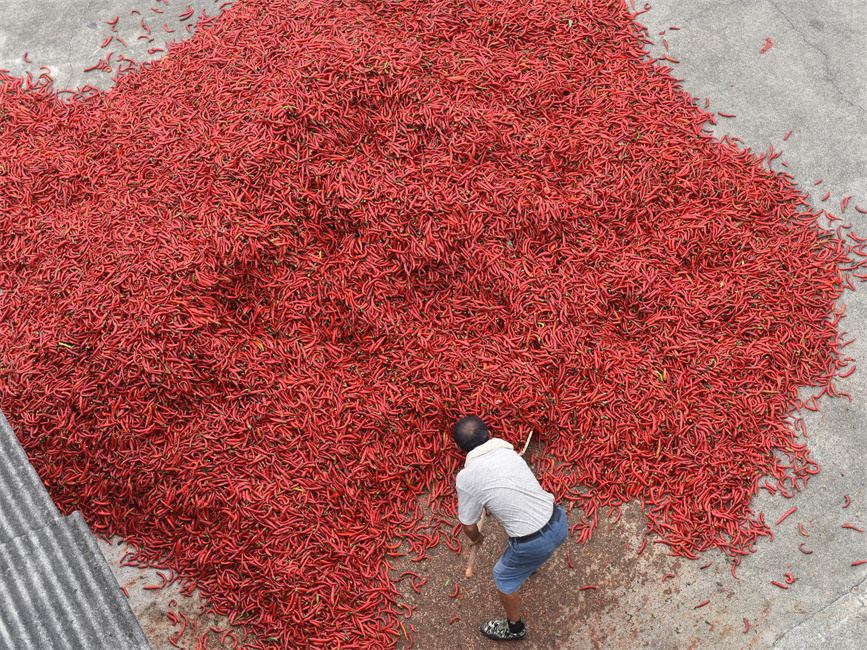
x: 701, y: 604
x: 846, y: 496
x: 569, y: 561
x: 786, y: 137
x: 779, y: 584
x: 726, y: 114
x: 704, y: 566
x: 457, y: 589
x: 593, y: 587
x: 851, y: 527
x: 801, y: 548
x: 802, y: 531
x: 825, y: 198
x: 859, y: 562
x: 667, y: 575
x: 788, y: 512
x: 456, y: 618
x: 789, y: 578
x: 107, y: 41
x: 643, y: 544
x: 746, y: 626
x: 768, y: 45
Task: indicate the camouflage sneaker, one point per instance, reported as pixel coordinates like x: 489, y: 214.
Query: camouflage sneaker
x: 499, y: 631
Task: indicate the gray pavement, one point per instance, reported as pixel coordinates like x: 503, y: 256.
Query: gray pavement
x: 812, y: 81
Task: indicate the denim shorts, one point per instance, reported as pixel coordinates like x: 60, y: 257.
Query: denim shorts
x: 523, y: 558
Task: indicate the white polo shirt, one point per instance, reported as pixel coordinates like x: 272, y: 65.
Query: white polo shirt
x: 502, y: 482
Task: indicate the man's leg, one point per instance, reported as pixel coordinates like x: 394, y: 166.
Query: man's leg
x: 512, y: 627
x: 512, y: 605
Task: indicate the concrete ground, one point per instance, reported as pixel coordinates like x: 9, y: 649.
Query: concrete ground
x: 811, y: 80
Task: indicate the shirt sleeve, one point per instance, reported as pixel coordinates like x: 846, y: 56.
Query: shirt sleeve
x: 469, y: 507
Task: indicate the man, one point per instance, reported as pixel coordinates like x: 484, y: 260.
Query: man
x: 497, y: 478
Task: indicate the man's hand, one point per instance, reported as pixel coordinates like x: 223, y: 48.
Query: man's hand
x: 475, y: 536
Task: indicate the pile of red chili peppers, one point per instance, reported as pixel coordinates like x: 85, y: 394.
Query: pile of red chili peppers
x: 247, y: 293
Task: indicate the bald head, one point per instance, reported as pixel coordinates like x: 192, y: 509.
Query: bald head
x: 470, y: 432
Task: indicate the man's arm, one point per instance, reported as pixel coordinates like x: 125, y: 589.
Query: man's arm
x: 473, y: 533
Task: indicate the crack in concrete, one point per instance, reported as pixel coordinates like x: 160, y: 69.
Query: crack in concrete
x: 819, y: 611
x: 827, y: 66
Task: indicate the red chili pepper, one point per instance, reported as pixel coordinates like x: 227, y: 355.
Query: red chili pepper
x: 569, y: 561
x: 746, y: 626
x: 726, y: 114
x: 767, y: 46
x: 846, y: 496
x: 593, y: 587
x: 643, y: 544
x: 701, y: 604
x: 844, y: 203
x: 667, y: 575
x: 801, y: 548
x: 780, y: 585
x: 789, y: 578
x: 706, y: 565
x: 859, y: 562
x: 825, y: 198
x: 849, y: 372
x: 788, y: 512
x: 801, y: 529
x: 786, y: 137
x: 455, y: 595
x: 456, y: 618
x: 851, y: 527
x: 107, y: 41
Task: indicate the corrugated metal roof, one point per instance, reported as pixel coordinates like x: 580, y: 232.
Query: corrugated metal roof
x: 24, y: 501
x: 57, y: 591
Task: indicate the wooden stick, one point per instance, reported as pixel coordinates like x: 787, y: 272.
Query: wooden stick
x: 527, y: 444
x: 473, y: 550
